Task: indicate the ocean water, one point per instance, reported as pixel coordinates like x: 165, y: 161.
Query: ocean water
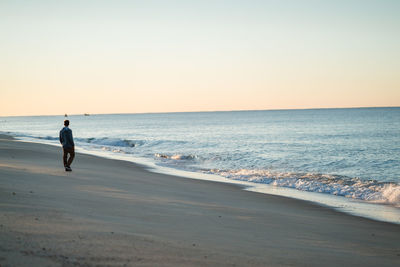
x: 351, y: 154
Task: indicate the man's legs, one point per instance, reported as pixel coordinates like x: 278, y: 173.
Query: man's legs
x: 71, y: 156
x: 71, y: 152
x: 65, y: 155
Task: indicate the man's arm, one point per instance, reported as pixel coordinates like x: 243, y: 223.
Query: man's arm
x: 61, y: 139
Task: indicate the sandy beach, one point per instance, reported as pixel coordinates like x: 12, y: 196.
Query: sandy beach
x: 116, y: 213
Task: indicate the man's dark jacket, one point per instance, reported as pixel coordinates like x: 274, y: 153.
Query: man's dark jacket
x: 66, y: 138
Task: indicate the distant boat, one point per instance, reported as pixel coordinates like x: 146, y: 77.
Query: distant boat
x: 65, y: 115
x: 86, y: 114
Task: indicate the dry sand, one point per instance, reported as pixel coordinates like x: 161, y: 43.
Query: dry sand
x: 115, y: 213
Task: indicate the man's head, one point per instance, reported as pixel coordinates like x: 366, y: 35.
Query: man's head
x: 66, y: 122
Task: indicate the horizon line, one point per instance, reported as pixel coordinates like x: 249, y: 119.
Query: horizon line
x: 200, y: 111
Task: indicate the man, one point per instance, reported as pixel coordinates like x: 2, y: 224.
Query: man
x: 68, y: 146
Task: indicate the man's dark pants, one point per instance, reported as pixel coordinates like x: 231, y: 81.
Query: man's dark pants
x: 71, y: 152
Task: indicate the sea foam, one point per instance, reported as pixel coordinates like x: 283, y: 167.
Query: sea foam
x: 370, y: 190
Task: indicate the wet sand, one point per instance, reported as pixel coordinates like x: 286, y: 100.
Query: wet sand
x: 116, y: 213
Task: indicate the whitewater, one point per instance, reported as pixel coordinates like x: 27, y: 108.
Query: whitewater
x: 345, y: 153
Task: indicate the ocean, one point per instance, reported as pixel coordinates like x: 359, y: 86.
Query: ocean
x: 330, y: 156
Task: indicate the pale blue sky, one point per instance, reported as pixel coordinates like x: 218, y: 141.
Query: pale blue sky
x: 161, y: 56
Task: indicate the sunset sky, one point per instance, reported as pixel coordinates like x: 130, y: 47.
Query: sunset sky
x: 76, y: 57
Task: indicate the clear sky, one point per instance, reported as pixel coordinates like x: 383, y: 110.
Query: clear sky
x: 116, y: 56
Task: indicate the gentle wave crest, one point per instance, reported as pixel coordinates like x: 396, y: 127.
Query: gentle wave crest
x: 175, y: 156
x: 108, y: 141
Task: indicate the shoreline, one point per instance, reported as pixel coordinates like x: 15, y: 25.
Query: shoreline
x: 356, y: 207
x: 113, y: 212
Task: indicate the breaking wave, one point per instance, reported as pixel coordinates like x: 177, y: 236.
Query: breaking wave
x: 370, y: 190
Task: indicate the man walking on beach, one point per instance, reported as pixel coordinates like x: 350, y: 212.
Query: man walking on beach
x: 68, y: 146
